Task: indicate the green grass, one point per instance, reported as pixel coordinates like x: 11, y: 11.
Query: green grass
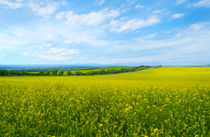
x: 166, y: 101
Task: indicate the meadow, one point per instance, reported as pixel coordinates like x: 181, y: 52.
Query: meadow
x: 164, y: 101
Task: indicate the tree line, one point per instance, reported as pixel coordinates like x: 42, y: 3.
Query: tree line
x: 101, y: 71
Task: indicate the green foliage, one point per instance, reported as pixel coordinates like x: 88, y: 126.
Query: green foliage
x: 69, y: 73
x: 54, y: 72
x: 60, y: 73
x: 41, y: 72
x: 101, y: 71
x: 157, y: 102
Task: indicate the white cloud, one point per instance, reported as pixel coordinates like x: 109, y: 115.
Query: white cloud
x: 28, y: 38
x: 187, y: 47
x: 54, y: 57
x: 133, y: 24
x: 157, y: 11
x: 10, y: 4
x: 202, y: 3
x: 53, y: 53
x: 180, y: 1
x: 198, y: 26
x: 43, y: 9
x: 92, y: 18
x: 187, y: 37
x: 62, y: 51
x: 177, y: 15
x: 48, y: 45
x: 100, y: 2
x: 60, y: 15
x: 9, y: 40
x: 139, y: 6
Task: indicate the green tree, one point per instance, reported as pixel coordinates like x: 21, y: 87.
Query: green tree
x: 60, y: 73
x: 78, y: 73
x: 54, y: 72
x: 41, y: 72
x: 3, y: 72
x: 47, y: 72
x: 69, y: 73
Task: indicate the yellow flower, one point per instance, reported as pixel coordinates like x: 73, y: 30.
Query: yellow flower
x: 100, y: 125
x: 155, y: 130
x: 126, y: 110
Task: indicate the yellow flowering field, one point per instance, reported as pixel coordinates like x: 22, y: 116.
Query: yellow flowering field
x: 165, y: 101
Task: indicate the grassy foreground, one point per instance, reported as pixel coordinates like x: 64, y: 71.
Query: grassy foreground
x: 166, y: 101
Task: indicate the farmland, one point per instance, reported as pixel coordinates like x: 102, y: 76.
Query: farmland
x: 164, y: 101
x: 69, y: 71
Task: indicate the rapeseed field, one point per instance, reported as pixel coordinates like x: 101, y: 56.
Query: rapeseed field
x: 165, y: 101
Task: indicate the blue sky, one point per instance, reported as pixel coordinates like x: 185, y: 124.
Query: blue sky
x: 129, y: 32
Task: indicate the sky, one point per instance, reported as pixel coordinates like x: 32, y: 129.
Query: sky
x: 126, y: 32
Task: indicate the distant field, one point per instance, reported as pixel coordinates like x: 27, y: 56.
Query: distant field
x: 165, y: 101
x: 71, y: 71
x: 90, y: 69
